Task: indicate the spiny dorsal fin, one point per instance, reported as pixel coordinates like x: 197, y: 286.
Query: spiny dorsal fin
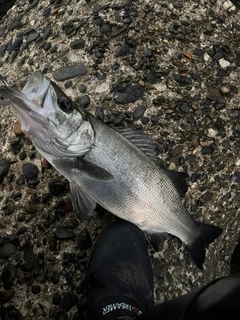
x: 146, y: 144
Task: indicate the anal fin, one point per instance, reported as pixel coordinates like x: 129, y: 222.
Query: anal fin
x: 83, y: 204
x: 156, y: 238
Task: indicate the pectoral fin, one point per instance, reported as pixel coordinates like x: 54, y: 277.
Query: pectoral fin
x: 93, y: 171
x: 83, y: 204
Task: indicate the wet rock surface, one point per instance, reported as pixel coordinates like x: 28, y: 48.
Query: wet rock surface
x: 171, y: 68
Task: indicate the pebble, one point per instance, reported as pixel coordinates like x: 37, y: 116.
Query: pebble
x: 7, y: 295
x: 224, y: 63
x: 122, y: 51
x: 55, y: 277
x: 103, y: 87
x: 56, y: 187
x: 36, y: 289
x: 52, y: 241
x: 30, y: 207
x: 68, y: 301
x: 138, y: 112
x: 9, y: 275
x: 4, y: 168
x: 71, y: 223
x: 30, y: 257
x: 16, y: 45
x: 130, y: 93
x: 30, y: 170
x: 99, y: 113
x: 63, y: 233
x: 77, y: 44
x: 46, y: 12
x: 82, y: 88
x: 32, y: 37
x: 150, y: 77
x: 70, y: 72
x: 214, y: 94
x: 207, y: 150
x: 84, y: 101
x: 18, y: 128
x: 84, y: 240
x: 56, y: 299
x: 7, y: 250
x: 198, y: 52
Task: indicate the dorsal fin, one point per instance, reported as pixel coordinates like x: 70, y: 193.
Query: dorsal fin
x: 141, y: 140
x: 146, y: 144
x: 180, y: 181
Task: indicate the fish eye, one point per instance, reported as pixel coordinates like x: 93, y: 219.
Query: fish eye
x: 65, y: 104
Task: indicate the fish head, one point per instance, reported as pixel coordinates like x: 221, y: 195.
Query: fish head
x: 54, y: 123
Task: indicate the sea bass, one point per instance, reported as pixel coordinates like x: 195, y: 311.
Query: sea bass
x: 116, y: 169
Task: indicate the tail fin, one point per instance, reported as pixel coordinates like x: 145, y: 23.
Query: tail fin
x: 206, y: 234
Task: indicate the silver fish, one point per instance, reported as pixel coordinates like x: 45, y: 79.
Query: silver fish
x: 117, y: 170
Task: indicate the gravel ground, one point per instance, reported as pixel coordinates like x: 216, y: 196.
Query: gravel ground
x: 169, y: 67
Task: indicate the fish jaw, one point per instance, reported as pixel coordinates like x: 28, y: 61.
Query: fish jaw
x: 53, y: 132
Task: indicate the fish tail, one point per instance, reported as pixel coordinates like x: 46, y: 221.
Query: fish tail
x: 205, y: 235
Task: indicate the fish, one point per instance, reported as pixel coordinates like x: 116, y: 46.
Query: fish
x: 118, y: 169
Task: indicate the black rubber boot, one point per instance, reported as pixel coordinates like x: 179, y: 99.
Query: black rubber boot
x: 219, y: 300
x: 119, y: 274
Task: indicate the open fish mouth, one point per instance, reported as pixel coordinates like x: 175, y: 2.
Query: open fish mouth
x: 32, y: 95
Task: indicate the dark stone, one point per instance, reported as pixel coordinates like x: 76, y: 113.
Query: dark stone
x: 3, y: 48
x: 122, y: 51
x: 145, y: 120
x: 138, y: 112
x: 68, y: 301
x: 99, y: 113
x: 219, y: 106
x: 207, y: 150
x: 70, y: 72
x: 16, y: 45
x: 84, y: 240
x: 105, y: 28
x: 63, y: 233
x: 198, y: 52
x: 236, y: 133
x: 56, y: 299
x: 47, y: 32
x: 218, y: 56
x: 36, y: 289
x: 32, y: 37
x: 4, y: 168
x: 194, y: 177
x: 183, y: 81
x: 77, y: 44
x: 150, y: 77
x: 119, y: 119
x: 9, y: 275
x: 47, y: 12
x: 55, y: 277
x: 30, y: 171
x: 52, y: 241
x: 82, y: 88
x: 214, y: 95
x: 236, y: 26
x: 7, y: 250
x: 29, y: 256
x: 83, y: 101
x: 46, y: 197
x: 56, y: 187
x: 130, y: 93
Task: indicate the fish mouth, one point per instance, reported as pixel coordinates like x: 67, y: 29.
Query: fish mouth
x: 32, y: 95
x: 28, y: 104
